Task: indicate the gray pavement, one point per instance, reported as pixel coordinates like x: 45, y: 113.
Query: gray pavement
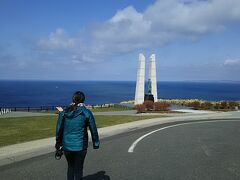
x: 110, y: 113
x: 25, y: 114
x: 208, y: 151
x: 178, y: 112
x: 30, y: 114
x: 14, y: 153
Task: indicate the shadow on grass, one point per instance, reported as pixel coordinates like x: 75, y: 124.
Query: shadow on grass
x: 101, y: 175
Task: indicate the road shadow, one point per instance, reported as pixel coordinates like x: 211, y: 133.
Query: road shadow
x: 101, y: 175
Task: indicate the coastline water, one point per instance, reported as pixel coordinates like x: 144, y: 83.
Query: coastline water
x: 51, y: 93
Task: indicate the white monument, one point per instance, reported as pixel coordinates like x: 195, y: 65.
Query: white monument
x: 140, y: 84
x: 152, y: 76
x: 139, y: 93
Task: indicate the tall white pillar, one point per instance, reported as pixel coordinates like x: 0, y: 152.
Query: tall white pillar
x: 139, y: 93
x: 152, y: 76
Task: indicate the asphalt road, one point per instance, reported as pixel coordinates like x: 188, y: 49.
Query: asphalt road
x: 206, y: 151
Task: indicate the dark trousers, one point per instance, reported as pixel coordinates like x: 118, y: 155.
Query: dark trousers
x: 75, y: 161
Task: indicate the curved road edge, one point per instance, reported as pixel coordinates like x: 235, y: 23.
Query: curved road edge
x: 18, y: 152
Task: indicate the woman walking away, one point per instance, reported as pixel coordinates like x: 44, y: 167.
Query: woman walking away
x: 72, y: 134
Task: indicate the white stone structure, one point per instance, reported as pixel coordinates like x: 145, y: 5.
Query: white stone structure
x: 139, y: 93
x: 140, y: 85
x: 152, y: 76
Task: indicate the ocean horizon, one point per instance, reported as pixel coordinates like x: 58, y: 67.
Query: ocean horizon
x: 36, y: 93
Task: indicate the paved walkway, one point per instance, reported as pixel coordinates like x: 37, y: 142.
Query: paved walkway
x: 25, y: 114
x: 18, y: 152
x: 194, y: 111
x: 182, y: 112
x: 117, y: 113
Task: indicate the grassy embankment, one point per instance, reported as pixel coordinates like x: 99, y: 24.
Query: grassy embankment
x: 23, y: 129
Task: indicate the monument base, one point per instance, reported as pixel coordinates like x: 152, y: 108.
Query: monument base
x: 148, y: 97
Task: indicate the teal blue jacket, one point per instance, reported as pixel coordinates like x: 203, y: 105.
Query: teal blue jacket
x: 75, y: 125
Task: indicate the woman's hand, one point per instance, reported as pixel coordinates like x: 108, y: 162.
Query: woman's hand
x: 60, y: 109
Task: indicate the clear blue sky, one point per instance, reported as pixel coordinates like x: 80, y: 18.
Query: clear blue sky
x: 101, y: 40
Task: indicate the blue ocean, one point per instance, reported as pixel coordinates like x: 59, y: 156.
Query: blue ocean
x: 52, y: 93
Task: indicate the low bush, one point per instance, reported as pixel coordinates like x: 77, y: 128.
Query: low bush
x: 233, y: 104
x: 141, y: 108
x: 195, y: 104
x: 206, y: 105
x: 148, y: 104
x: 217, y: 105
x: 161, y: 106
x: 224, y: 105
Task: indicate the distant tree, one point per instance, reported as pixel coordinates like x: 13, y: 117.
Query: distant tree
x: 196, y: 104
x: 161, y: 106
x: 206, y: 105
x: 223, y: 105
x: 217, y: 105
x: 189, y: 104
x: 141, y: 108
x: 232, y: 104
x: 148, y: 104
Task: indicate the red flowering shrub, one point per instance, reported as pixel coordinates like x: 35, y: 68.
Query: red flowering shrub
x: 148, y: 104
x: 141, y: 108
x: 161, y: 106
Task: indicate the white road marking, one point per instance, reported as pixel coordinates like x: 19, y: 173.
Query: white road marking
x: 134, y: 144
x: 206, y: 150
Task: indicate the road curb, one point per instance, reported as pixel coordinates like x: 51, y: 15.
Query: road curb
x: 18, y: 152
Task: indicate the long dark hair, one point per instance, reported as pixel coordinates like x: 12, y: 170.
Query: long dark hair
x: 78, y: 97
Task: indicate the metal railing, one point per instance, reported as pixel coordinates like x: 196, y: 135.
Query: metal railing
x: 4, y: 110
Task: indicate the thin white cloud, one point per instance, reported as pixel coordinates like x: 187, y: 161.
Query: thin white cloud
x: 161, y: 23
x: 232, y: 62
x: 57, y: 40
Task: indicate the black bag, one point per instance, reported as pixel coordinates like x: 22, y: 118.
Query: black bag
x: 59, y: 153
x: 58, y: 145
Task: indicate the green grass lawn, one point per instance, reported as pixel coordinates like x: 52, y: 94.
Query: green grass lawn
x: 99, y: 109
x: 23, y: 129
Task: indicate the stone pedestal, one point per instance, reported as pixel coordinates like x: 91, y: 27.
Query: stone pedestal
x: 148, y: 97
